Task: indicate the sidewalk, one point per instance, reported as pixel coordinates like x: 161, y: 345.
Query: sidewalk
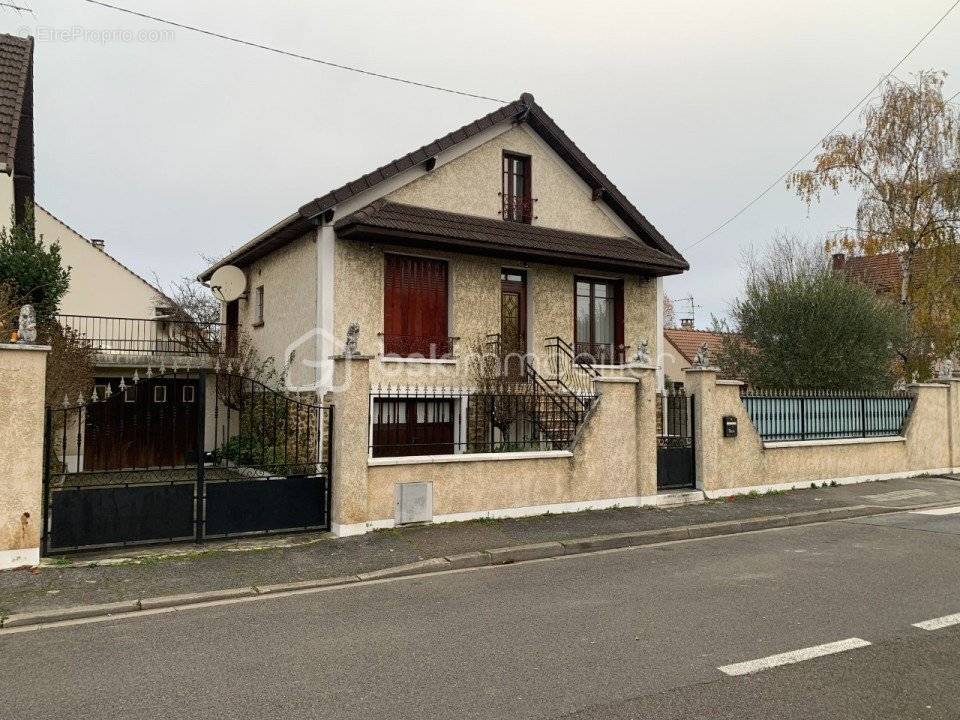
x: 129, y: 575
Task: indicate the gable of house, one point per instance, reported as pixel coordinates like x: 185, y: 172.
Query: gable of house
x: 461, y: 173
x: 100, y: 285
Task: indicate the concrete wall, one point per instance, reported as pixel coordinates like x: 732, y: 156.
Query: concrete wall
x: 22, y: 377
x: 474, y: 304
x: 613, y: 462
x: 289, y: 279
x: 730, y: 465
x: 6, y: 199
x: 99, y: 284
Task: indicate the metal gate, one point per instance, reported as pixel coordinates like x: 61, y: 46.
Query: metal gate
x: 183, y: 456
x: 676, y: 466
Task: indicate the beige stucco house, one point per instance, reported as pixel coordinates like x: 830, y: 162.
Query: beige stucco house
x: 500, y: 238
x: 505, y: 210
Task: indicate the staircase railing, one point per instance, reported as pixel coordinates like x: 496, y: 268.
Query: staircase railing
x: 572, y: 371
x: 559, y: 410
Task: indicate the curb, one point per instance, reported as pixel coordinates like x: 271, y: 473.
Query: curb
x: 482, y: 558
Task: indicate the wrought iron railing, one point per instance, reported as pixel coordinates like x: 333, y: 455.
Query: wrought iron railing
x: 433, y: 347
x: 811, y: 415
x: 517, y: 208
x: 573, y: 372
x: 505, y: 417
x: 600, y: 353
x: 137, y: 336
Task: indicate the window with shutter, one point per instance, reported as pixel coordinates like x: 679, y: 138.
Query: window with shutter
x: 415, y: 307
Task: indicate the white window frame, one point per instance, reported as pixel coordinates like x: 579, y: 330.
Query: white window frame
x: 162, y: 388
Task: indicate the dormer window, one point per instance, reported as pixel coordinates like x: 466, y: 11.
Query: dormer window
x: 517, y: 200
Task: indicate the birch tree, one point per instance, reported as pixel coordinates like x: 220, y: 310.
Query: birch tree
x: 904, y: 161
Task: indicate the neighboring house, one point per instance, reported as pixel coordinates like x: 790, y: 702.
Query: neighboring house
x: 883, y: 273
x: 16, y: 125
x: 681, y: 346
x: 501, y: 234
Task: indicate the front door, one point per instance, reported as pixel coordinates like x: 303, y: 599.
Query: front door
x: 513, y: 318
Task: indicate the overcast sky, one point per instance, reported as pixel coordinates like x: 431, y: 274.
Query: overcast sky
x: 180, y: 146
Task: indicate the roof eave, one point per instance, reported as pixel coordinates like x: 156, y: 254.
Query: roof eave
x: 376, y: 234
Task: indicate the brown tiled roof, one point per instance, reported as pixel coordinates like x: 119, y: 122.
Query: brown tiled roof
x: 16, y: 55
x: 880, y: 272
x: 688, y: 342
x: 388, y: 221
x: 525, y: 110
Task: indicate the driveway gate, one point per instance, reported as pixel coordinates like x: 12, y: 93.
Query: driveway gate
x: 184, y: 457
x: 676, y: 466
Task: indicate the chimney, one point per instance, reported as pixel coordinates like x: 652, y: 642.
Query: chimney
x: 839, y: 260
x: 98, y: 243
x: 686, y: 323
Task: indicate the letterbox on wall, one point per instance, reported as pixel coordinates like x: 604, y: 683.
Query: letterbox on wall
x: 729, y: 426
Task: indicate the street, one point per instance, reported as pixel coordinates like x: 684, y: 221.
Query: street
x: 637, y: 633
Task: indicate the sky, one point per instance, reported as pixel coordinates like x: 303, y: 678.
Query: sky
x: 175, y: 147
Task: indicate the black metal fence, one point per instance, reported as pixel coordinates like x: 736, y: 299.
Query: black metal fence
x: 184, y: 457
x: 573, y: 371
x: 506, y: 417
x: 126, y: 336
x: 792, y: 415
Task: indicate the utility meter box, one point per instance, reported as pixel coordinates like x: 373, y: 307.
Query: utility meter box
x: 413, y: 502
x: 729, y: 426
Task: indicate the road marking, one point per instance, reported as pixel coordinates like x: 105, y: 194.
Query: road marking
x: 794, y: 656
x: 897, y: 495
x: 940, y: 622
x: 938, y: 511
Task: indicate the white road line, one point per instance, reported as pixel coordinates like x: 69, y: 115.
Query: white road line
x: 938, y: 511
x: 794, y: 656
x: 940, y: 622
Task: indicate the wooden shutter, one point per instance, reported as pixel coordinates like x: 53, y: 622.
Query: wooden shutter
x: 414, y: 304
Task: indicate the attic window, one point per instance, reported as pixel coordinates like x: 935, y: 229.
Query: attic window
x: 517, y: 200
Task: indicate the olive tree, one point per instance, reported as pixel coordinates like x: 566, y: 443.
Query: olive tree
x: 801, y: 326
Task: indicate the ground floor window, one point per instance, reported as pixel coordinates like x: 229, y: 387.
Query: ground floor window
x: 403, y: 427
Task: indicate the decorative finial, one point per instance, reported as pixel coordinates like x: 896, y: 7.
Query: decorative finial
x: 149, y: 373
x: 27, y: 327
x: 642, y: 355
x: 702, y: 358
x: 353, y: 336
x: 136, y: 377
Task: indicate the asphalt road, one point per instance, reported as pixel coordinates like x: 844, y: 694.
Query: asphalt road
x: 638, y: 633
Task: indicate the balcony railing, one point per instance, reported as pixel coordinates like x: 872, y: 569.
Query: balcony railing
x: 158, y: 336
x: 431, y: 347
x: 599, y: 353
x: 517, y: 208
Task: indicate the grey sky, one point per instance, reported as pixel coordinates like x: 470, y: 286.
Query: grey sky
x: 187, y: 145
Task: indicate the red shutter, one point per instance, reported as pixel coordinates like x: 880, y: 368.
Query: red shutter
x: 415, y: 306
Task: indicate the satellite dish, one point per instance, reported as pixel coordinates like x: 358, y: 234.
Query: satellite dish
x: 228, y: 283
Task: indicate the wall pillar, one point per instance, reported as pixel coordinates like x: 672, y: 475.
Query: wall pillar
x: 702, y: 383
x: 23, y: 371
x: 646, y: 429
x: 350, y: 394
x: 953, y: 422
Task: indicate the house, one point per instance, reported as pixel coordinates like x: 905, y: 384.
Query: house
x: 502, y: 227
x: 681, y: 346
x: 128, y: 323
x: 501, y: 239
x: 16, y: 125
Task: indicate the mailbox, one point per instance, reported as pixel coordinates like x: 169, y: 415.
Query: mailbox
x: 729, y: 426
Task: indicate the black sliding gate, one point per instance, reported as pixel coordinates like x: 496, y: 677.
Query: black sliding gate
x: 179, y: 456
x: 676, y: 468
